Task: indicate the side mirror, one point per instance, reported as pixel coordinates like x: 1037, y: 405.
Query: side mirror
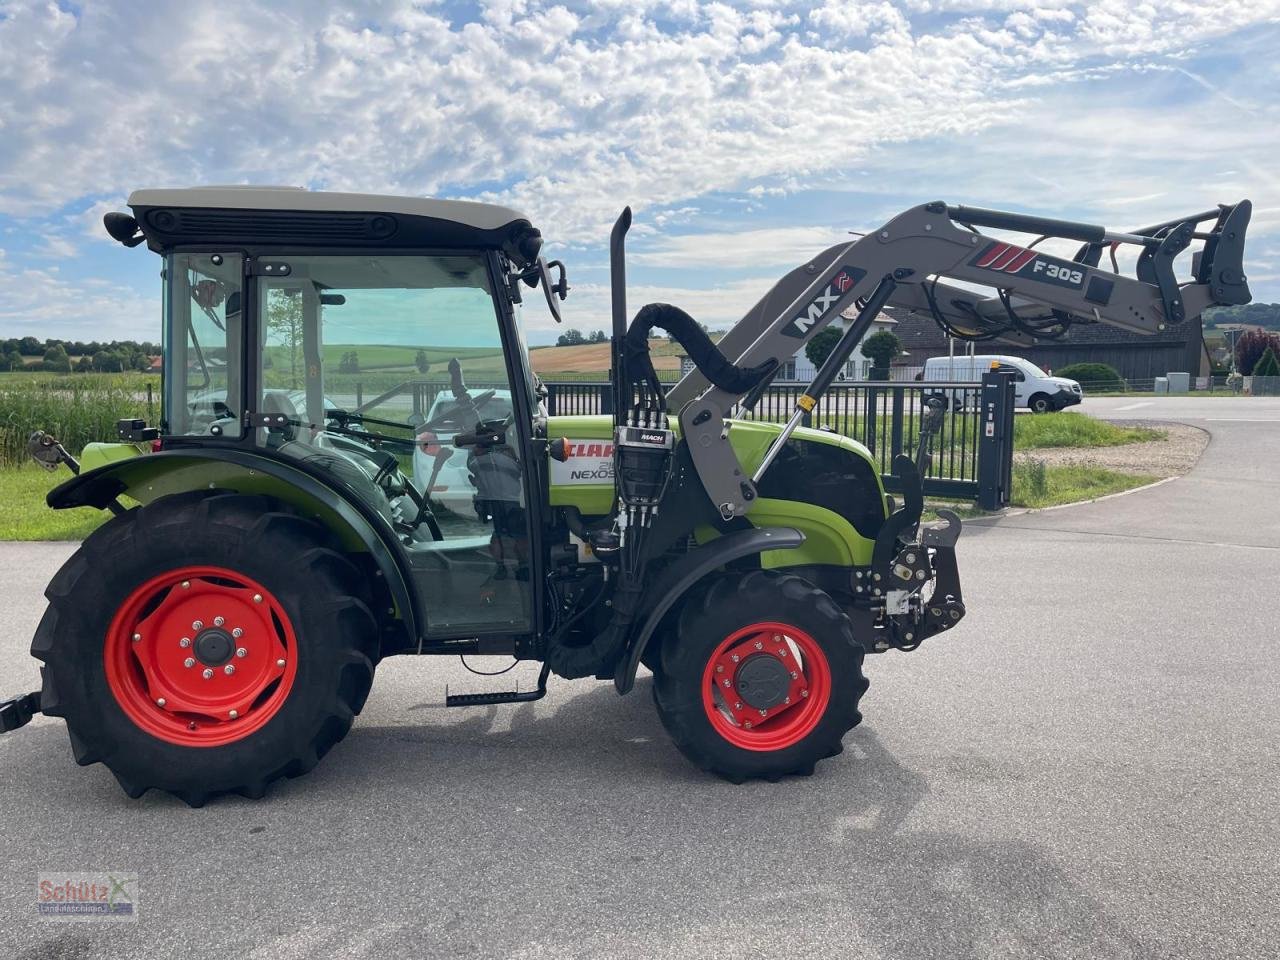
x: 553, y: 291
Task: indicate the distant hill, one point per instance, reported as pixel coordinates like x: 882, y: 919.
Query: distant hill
x: 594, y: 358
x: 1255, y: 314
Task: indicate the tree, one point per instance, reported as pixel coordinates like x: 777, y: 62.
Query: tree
x: 284, y: 323
x: 56, y: 359
x: 571, y: 338
x: 1251, y: 346
x: 820, y: 347
x: 598, y: 337
x: 84, y: 364
x: 881, y: 347
x: 11, y: 359
x: 1268, y: 366
x: 350, y: 363
x: 30, y: 347
x: 421, y: 362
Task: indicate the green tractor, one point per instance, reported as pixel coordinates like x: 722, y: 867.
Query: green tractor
x: 354, y: 461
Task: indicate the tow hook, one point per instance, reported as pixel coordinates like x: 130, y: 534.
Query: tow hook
x: 18, y: 711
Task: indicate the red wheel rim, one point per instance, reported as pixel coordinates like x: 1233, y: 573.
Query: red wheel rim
x: 801, y: 694
x: 200, y: 656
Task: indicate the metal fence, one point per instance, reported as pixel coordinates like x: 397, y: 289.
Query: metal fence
x: 971, y: 455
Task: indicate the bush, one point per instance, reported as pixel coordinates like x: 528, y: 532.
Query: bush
x: 1268, y: 366
x: 1250, y: 348
x: 881, y: 348
x: 821, y: 344
x: 1097, y: 376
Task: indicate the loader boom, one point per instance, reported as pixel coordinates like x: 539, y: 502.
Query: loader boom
x: 1036, y: 295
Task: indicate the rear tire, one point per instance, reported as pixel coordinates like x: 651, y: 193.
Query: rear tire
x: 794, y: 677
x: 1040, y: 403
x: 141, y: 661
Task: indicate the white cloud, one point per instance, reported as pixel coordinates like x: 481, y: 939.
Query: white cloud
x: 573, y: 108
x: 718, y: 307
x: 41, y: 303
x: 569, y: 110
x: 743, y: 249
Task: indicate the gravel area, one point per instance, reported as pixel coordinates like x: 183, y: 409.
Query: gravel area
x: 1170, y: 457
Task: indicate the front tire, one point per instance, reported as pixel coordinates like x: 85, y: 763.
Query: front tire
x: 206, y: 644
x: 1040, y: 403
x: 761, y: 678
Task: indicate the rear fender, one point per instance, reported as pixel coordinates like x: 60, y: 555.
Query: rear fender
x: 356, y: 524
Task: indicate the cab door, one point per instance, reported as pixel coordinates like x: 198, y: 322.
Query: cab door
x: 393, y: 376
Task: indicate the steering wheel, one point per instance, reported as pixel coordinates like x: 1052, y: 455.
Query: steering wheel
x: 458, y: 406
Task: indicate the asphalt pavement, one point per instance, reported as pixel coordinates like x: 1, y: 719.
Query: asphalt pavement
x: 1086, y: 768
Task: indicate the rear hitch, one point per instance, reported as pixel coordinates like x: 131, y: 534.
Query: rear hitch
x: 17, y: 711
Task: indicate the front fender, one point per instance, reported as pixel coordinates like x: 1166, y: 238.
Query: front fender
x: 356, y: 524
x: 680, y: 576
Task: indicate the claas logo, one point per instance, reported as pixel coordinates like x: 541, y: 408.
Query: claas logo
x: 589, y: 448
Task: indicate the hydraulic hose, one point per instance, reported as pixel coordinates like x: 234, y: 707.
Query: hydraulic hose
x: 711, y: 363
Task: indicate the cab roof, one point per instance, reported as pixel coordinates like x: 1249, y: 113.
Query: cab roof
x: 294, y: 217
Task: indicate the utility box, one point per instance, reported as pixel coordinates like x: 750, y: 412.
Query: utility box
x: 1162, y: 385
x: 1179, y: 382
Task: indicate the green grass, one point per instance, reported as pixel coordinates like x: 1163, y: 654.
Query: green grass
x: 1075, y: 430
x: 1036, y: 484
x: 26, y: 516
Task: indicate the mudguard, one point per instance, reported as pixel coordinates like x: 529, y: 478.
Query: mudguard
x: 356, y: 523
x: 680, y: 576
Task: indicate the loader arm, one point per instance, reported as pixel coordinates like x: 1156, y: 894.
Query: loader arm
x: 903, y: 263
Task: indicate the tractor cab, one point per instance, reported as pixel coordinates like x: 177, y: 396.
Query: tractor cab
x: 372, y: 342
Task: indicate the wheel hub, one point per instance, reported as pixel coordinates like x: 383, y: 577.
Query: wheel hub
x: 214, y: 647
x: 763, y: 681
x: 201, y: 656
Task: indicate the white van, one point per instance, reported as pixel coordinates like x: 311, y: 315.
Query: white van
x: 1035, y: 389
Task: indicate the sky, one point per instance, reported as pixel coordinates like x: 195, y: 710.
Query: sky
x: 746, y: 137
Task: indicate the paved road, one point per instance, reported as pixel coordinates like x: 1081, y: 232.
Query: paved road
x: 1086, y: 769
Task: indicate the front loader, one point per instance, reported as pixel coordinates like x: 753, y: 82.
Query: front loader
x: 354, y: 461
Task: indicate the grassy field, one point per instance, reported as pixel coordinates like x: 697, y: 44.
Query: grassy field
x: 1075, y: 430
x: 26, y: 516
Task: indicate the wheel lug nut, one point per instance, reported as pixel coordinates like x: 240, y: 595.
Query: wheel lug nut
x: 793, y: 675
x: 232, y: 714
x: 734, y: 658
x: 738, y: 705
x: 207, y: 674
x: 279, y: 663
x: 137, y: 637
x: 184, y: 642
x: 759, y: 645
x: 191, y: 725
x: 257, y: 598
x: 747, y: 724
x: 160, y: 702
x: 229, y: 669
x: 719, y: 668
x: 786, y: 700
x: 197, y: 625
x: 186, y: 584
x: 237, y: 633
x: 218, y: 621
x: 188, y: 663
x: 804, y: 693
x: 241, y: 652
x: 764, y: 713
x: 726, y: 681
